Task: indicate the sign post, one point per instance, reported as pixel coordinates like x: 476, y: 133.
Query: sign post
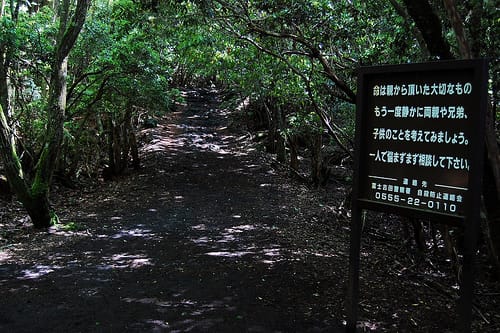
x: 419, y: 153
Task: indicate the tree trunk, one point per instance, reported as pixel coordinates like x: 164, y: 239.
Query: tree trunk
x: 476, y: 29
x: 131, y: 140
x: 272, y: 127
x: 122, y: 144
x: 113, y: 146
x: 316, y: 142
x: 431, y: 29
x: 294, y: 152
x: 430, y: 26
x: 458, y: 28
x: 491, y: 182
x: 39, y: 210
x: 418, y: 34
x: 127, y: 131
x: 280, y: 141
x: 491, y: 192
x: 12, y: 163
x: 117, y: 150
x: 4, y: 80
x: 34, y: 195
x: 134, y: 150
x: 2, y: 9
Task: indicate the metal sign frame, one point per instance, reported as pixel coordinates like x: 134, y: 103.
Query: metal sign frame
x: 377, y: 176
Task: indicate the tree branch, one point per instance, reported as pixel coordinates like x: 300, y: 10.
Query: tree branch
x: 430, y: 26
x: 458, y: 28
x: 314, y: 53
x: 73, y: 29
x: 331, y: 127
x: 83, y: 77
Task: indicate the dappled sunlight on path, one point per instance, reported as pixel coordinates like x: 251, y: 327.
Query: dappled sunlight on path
x: 189, y: 243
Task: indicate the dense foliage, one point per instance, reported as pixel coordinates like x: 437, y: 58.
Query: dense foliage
x: 290, y: 65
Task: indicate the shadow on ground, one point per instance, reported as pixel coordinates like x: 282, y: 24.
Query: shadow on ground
x: 190, y: 243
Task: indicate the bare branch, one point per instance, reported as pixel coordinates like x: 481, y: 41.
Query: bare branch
x: 314, y: 53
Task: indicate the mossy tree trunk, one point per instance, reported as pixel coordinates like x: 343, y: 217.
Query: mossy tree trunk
x: 34, y: 193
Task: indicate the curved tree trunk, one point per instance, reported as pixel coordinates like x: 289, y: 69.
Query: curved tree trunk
x: 34, y: 194
x: 429, y: 24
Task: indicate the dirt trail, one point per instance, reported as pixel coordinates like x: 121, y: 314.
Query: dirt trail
x: 212, y: 236
x: 192, y: 242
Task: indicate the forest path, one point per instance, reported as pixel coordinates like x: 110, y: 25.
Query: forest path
x: 192, y: 242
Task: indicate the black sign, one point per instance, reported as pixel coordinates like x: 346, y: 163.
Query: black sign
x: 418, y: 130
x: 419, y: 152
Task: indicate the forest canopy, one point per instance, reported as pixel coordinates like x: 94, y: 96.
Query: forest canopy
x: 78, y: 78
